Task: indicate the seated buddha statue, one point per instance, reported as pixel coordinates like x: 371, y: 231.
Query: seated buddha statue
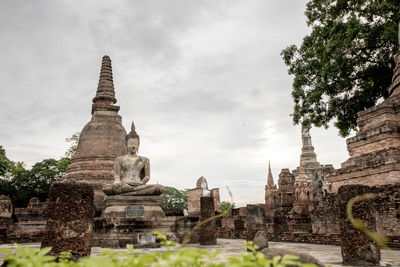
x: 132, y: 172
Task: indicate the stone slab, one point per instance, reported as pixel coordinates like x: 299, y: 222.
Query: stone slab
x: 123, y: 211
x: 121, y: 200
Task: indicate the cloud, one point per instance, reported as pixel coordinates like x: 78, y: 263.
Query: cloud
x: 203, y: 80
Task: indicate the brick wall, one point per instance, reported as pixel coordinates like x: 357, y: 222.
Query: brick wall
x: 194, y: 196
x: 323, y: 225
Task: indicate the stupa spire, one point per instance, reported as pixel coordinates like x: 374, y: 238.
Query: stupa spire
x: 302, y: 176
x: 395, y: 86
x: 307, y: 150
x: 270, y: 181
x: 105, y: 94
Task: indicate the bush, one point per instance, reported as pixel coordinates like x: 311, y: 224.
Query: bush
x: 175, y: 255
x: 174, y: 198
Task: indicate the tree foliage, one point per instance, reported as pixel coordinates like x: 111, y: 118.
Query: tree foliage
x: 5, y: 163
x: 174, y: 198
x: 35, y: 182
x: 73, y: 141
x: 346, y: 63
x: 21, y: 184
x: 226, y: 205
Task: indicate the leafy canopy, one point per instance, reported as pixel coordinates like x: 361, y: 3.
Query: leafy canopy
x: 346, y: 64
x: 5, y: 163
x: 21, y: 184
x: 174, y: 198
x: 73, y: 141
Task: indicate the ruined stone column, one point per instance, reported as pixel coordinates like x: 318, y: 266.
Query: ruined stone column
x: 255, y: 221
x: 69, y: 218
x: 208, y: 231
x: 357, y: 248
x: 6, y: 220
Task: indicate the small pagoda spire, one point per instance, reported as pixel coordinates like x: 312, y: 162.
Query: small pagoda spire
x: 105, y: 93
x: 270, y: 181
x: 307, y: 150
x: 394, y: 88
x: 302, y: 176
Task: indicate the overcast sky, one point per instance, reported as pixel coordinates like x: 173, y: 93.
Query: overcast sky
x: 203, y: 80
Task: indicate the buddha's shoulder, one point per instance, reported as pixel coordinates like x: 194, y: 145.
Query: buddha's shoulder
x: 143, y: 158
x: 121, y: 157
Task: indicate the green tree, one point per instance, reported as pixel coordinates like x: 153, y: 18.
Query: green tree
x: 35, y: 182
x: 226, y: 205
x: 5, y: 163
x: 21, y: 184
x: 42, y: 175
x: 63, y: 163
x: 345, y: 65
x: 73, y: 140
x: 174, y: 198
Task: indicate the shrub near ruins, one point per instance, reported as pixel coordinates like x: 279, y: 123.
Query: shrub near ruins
x: 174, y: 256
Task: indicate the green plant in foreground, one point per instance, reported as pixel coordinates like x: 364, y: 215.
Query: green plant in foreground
x: 176, y: 255
x: 226, y: 205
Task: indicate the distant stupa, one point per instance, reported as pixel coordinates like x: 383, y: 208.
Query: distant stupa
x: 101, y: 140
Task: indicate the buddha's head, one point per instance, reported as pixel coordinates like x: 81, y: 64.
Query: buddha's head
x: 133, y: 145
x: 132, y: 140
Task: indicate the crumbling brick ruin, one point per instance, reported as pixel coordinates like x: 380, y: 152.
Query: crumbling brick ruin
x: 201, y: 190
x: 305, y: 205
x: 23, y: 224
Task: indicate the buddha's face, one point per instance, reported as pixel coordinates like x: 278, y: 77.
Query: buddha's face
x: 133, y: 145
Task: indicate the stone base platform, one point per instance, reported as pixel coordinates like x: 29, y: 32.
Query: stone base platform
x: 5, y: 226
x: 26, y: 231
x: 132, y: 219
x: 118, y: 232
x: 121, y: 206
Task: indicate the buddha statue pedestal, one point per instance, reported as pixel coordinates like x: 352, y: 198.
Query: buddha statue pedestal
x: 131, y: 220
x: 133, y: 207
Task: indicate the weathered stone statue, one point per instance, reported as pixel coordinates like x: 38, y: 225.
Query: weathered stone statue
x: 132, y: 172
x: 5, y: 207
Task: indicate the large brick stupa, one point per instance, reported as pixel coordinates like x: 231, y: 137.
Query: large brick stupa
x: 101, y: 140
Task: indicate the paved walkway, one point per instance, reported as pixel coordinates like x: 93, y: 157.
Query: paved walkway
x: 329, y: 255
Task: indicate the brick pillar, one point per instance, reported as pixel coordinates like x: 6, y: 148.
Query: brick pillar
x: 255, y: 221
x: 69, y: 218
x: 357, y: 248
x: 208, y: 232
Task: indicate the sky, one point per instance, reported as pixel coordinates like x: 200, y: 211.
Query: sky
x: 203, y: 80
